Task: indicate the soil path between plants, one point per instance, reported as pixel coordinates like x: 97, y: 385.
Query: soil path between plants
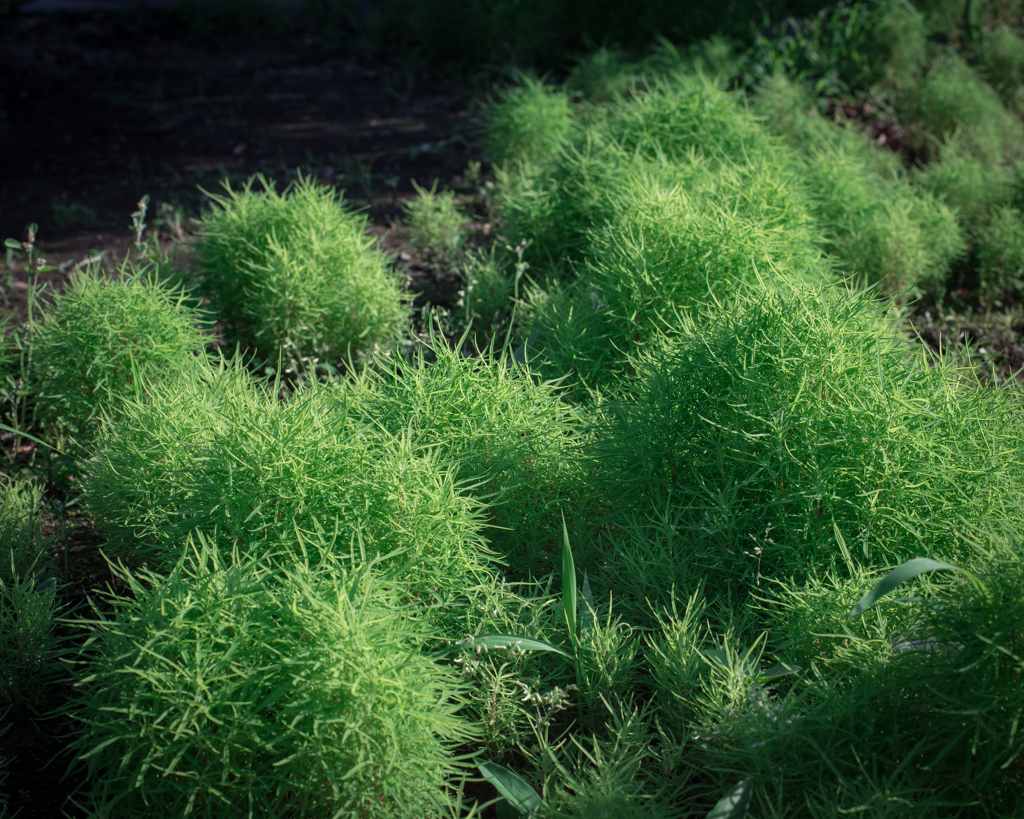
x: 94, y: 115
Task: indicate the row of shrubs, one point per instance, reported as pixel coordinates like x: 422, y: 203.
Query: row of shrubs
x: 696, y: 417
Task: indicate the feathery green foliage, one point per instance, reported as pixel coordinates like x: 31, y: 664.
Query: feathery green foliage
x: 767, y: 430
x: 877, y: 226
x: 969, y: 184
x: 528, y: 122
x: 509, y: 440
x: 295, y: 274
x: 1001, y: 62
x: 103, y: 341
x: 216, y: 453
x: 231, y: 690
x: 22, y: 547
x: 30, y: 650
x: 486, y: 300
x: 1001, y: 253
x: 667, y: 246
x: 435, y: 223
x: 951, y: 98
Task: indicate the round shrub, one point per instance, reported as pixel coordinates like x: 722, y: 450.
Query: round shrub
x: 104, y: 340
x: 216, y: 453
x: 798, y: 425
x: 1001, y: 60
x: 681, y: 126
x: 1001, y: 253
x: 528, y: 122
x: 296, y: 274
x: 667, y: 246
x: 223, y: 692
x: 510, y: 441
x: 951, y: 98
x: 876, y: 225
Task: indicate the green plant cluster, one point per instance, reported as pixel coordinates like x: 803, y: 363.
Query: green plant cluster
x: 295, y: 276
x: 235, y: 689
x: 102, y: 341
x: 640, y: 559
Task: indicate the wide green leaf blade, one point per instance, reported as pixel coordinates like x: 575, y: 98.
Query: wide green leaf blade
x: 500, y: 641
x: 569, y: 598
x: 512, y: 786
x: 902, y: 573
x: 735, y: 803
x: 588, y: 619
x: 776, y: 671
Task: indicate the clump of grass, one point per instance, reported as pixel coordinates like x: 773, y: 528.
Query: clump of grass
x: 680, y: 125
x: 951, y: 98
x: 968, y: 183
x: 295, y: 275
x: 104, y: 340
x: 221, y: 690
x: 486, y: 299
x: 877, y: 226
x: 798, y: 425
x: 216, y: 453
x: 22, y: 547
x: 435, y: 223
x: 30, y: 650
x: 1001, y: 253
x: 668, y: 245
x: 528, y: 122
x: 1000, y: 55
x: 510, y: 440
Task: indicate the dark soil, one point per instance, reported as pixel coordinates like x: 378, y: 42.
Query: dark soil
x: 95, y: 114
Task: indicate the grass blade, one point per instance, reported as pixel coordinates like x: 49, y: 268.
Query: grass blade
x: 500, y: 641
x: 513, y: 787
x: 735, y: 803
x: 569, y: 597
x: 905, y: 571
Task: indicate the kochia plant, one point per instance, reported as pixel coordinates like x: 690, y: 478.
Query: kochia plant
x: 799, y: 425
x: 512, y: 441
x: 222, y: 691
x: 218, y: 454
x: 295, y: 274
x: 104, y: 340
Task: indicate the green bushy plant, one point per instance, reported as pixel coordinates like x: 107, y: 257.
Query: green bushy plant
x: 216, y: 453
x: 843, y: 49
x: 969, y: 184
x: 680, y: 125
x: 295, y: 274
x: 510, y: 440
x: 30, y: 649
x: 667, y: 245
x: 103, y: 340
x: 22, y: 546
x: 220, y: 690
x: 880, y: 689
x: 612, y: 776
x: 1001, y: 61
x: 798, y: 419
x: 435, y: 223
x: 1001, y: 253
x: 528, y: 121
x: 486, y: 299
x: 877, y: 225
x: 953, y: 99
x: 883, y: 232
